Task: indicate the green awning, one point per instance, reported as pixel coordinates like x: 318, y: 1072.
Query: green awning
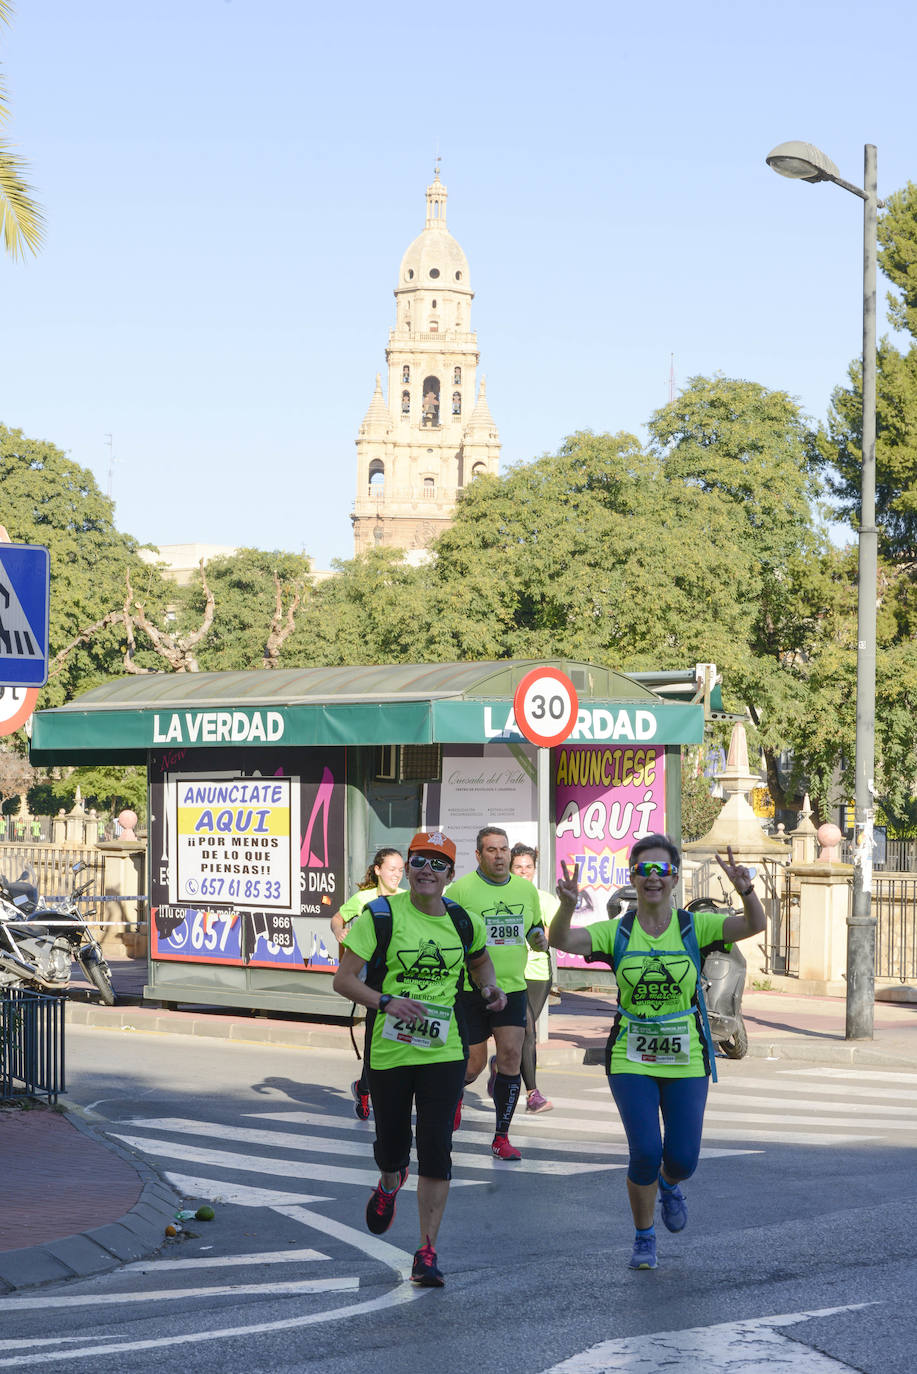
x: 121, y: 721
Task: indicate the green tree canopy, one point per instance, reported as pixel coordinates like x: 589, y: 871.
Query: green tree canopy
x: 47, y: 499
x: 245, y: 588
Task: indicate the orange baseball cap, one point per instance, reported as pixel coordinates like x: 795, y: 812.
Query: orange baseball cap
x: 432, y: 842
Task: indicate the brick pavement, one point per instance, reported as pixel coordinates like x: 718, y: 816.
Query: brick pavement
x: 66, y: 1179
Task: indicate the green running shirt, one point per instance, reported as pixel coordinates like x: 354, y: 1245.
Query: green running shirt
x: 425, y: 961
x: 656, y: 977
x: 509, y: 912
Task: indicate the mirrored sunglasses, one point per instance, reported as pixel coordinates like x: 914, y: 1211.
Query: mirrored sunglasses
x: 644, y: 870
x: 438, y: 865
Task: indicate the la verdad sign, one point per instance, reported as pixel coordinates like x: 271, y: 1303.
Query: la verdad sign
x: 592, y: 723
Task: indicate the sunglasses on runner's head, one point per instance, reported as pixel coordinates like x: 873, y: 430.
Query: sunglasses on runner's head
x: 438, y: 865
x: 642, y: 870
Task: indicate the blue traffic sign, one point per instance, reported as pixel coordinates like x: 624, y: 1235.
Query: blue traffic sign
x: 25, y: 584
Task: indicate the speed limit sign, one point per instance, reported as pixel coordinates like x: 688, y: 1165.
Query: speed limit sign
x: 545, y: 705
x: 16, y: 705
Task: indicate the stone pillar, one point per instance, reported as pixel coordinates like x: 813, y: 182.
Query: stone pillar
x: 737, y: 827
x: 803, y: 840
x: 824, y: 894
x: 124, y: 874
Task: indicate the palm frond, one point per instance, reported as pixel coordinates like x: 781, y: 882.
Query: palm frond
x: 21, y: 219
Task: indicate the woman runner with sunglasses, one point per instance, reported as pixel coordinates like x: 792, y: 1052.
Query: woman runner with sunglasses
x: 418, y: 1053
x: 657, y: 1058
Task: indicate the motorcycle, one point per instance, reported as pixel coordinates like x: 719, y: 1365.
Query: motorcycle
x: 722, y: 976
x: 38, y: 943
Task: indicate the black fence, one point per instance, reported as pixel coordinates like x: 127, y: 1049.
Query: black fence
x: 31, y: 1045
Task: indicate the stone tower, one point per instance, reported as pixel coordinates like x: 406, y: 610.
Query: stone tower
x: 417, y: 450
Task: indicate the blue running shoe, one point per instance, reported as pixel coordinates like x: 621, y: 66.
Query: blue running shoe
x: 644, y: 1256
x: 672, y: 1204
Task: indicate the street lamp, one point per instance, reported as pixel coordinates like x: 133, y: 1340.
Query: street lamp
x: 804, y: 162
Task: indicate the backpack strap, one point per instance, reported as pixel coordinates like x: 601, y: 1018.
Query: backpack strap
x: 381, y: 909
x: 462, y: 922
x: 689, y: 940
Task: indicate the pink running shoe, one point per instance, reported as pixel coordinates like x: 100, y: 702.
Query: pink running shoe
x: 537, y: 1102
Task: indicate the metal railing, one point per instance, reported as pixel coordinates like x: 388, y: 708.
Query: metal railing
x: 894, y: 905
x: 32, y: 1056
x: 781, y: 907
x: 53, y: 867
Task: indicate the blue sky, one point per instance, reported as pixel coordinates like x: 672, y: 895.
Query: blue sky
x: 230, y: 186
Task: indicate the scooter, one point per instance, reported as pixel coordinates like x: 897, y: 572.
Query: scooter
x: 723, y: 983
x: 722, y: 976
x: 39, y: 943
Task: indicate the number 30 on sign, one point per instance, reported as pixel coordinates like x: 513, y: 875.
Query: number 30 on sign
x: 545, y: 706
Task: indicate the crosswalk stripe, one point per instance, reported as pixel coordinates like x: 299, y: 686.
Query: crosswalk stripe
x: 875, y: 1075
x: 861, y: 1109
x: 289, y: 1168
x: 223, y: 1261
x: 713, y: 1132
x: 290, y: 1140
x: 805, y: 1087
x: 223, y: 1290
x: 230, y: 1194
x: 483, y: 1119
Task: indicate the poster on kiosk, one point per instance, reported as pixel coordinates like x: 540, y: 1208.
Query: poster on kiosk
x: 249, y: 867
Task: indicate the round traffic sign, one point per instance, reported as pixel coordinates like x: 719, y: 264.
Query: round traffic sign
x: 545, y: 706
x: 16, y: 705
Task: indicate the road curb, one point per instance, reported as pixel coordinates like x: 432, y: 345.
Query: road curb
x: 134, y: 1236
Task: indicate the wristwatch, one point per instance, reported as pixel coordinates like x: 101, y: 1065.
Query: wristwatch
x: 384, y: 1001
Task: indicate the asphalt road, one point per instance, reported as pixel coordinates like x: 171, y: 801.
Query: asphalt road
x: 798, y: 1256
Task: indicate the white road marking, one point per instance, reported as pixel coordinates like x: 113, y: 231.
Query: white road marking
x: 907, y: 1115
x: 29, y: 1342
x: 320, y: 1144
x: 224, y: 1290
x: 725, y: 1095
x: 236, y: 1194
x: 370, y: 1245
x: 223, y: 1261
x: 520, y: 1123
x: 402, y: 1294
x: 861, y: 1075
x: 760, y: 1137
x: 289, y: 1168
x: 740, y: 1347
x: 840, y: 1092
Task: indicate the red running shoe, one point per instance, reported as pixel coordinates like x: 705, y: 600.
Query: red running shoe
x: 425, y: 1270
x: 380, y: 1210
x: 501, y: 1148
x: 457, y: 1119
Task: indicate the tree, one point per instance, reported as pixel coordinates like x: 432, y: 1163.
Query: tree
x: 256, y: 598
x: 372, y: 611
x: 47, y: 499
x: 22, y: 219
x: 107, y: 789
x: 841, y: 440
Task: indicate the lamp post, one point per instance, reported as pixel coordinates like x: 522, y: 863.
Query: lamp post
x: 804, y: 162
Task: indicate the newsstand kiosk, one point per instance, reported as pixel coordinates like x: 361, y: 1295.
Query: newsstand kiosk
x: 270, y: 791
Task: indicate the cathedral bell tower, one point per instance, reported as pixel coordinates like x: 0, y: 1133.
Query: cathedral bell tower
x: 418, y: 449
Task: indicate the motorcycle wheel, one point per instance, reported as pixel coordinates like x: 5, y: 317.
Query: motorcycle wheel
x: 736, y: 1047
x: 100, y: 977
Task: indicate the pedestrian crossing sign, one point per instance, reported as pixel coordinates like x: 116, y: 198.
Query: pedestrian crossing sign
x: 25, y: 581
